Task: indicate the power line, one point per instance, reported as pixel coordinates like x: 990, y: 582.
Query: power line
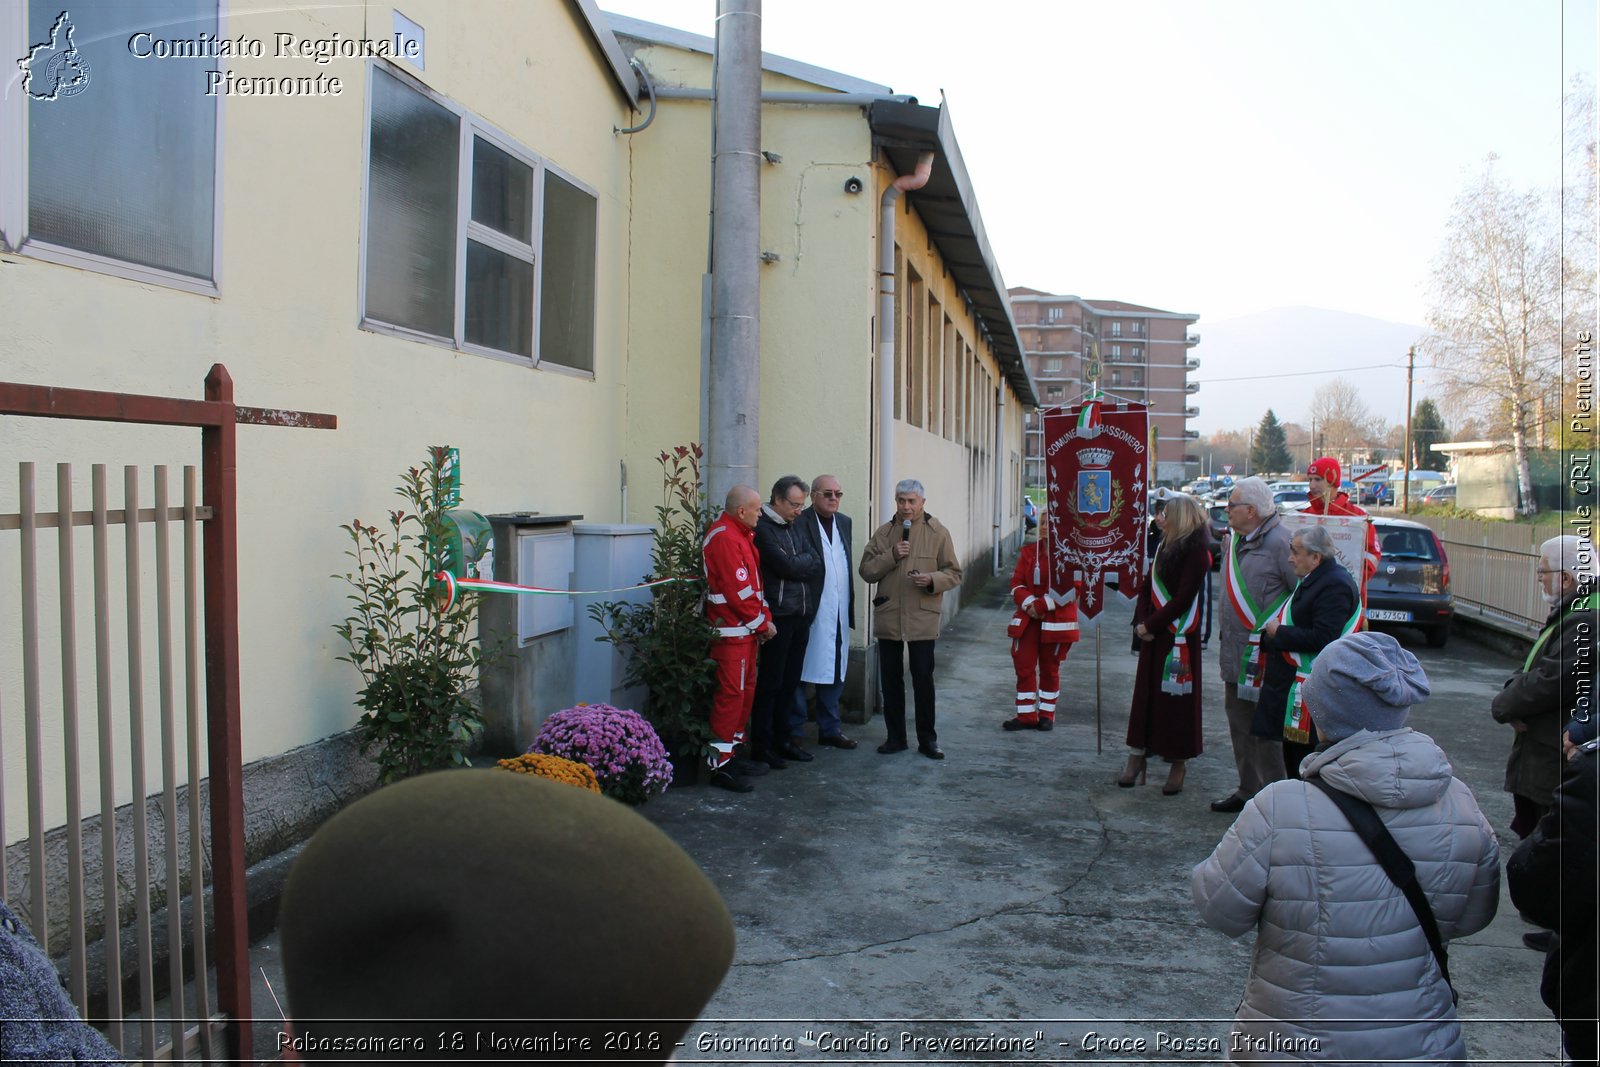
x: 1300, y: 373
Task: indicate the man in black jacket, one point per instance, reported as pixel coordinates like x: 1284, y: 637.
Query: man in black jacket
x: 1320, y: 611
x: 789, y: 566
x: 1537, y: 701
x: 1552, y: 876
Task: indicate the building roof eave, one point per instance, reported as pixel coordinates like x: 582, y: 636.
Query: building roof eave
x: 949, y: 209
x: 589, y: 13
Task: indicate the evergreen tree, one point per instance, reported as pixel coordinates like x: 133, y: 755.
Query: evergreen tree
x: 1269, y: 453
x: 1427, y: 428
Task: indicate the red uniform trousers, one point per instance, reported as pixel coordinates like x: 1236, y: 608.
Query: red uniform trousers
x: 1038, y: 663
x: 735, y: 658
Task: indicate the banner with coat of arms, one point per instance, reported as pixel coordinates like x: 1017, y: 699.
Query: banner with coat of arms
x: 1097, y: 463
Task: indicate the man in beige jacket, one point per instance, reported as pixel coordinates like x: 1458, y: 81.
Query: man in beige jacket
x: 913, y: 561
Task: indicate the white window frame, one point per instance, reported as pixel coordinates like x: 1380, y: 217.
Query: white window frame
x: 14, y: 176
x: 471, y: 126
x: 1116, y: 328
x: 1054, y: 314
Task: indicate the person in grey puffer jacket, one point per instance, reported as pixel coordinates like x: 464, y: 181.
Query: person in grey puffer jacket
x: 1342, y: 971
x: 38, y: 1023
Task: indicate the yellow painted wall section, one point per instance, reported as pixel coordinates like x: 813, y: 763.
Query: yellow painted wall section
x: 286, y: 325
x: 817, y: 298
x: 955, y: 460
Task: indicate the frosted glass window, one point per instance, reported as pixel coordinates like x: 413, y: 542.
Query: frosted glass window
x: 125, y: 167
x: 499, y: 300
x: 411, y: 209
x: 566, y: 316
x: 502, y: 191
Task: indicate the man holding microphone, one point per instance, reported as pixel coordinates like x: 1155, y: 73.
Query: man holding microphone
x: 913, y: 561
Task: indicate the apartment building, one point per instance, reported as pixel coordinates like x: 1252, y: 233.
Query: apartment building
x: 1144, y: 355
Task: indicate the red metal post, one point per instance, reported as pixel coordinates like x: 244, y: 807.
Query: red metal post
x: 219, y: 553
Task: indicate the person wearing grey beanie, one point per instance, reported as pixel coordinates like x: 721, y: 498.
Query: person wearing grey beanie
x: 1363, y: 681
x: 1341, y: 965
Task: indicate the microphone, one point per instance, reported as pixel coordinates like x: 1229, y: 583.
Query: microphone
x: 905, y: 530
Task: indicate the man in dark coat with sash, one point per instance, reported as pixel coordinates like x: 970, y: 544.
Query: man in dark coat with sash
x: 1325, y: 605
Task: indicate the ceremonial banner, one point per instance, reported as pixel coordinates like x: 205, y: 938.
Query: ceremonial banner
x: 1097, y: 461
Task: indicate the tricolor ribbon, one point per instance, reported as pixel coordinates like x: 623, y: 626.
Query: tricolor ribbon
x: 1252, y: 664
x: 453, y: 586
x: 1089, y: 416
x: 1296, y: 717
x: 1177, y: 672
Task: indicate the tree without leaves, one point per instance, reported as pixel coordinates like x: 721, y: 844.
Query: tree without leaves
x: 1427, y: 429
x: 1497, y: 292
x: 1344, y: 423
x: 1268, y: 452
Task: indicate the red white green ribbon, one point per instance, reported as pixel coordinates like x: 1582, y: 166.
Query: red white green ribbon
x: 1177, y: 672
x: 1296, y: 718
x: 454, y: 586
x: 1252, y: 665
x: 1089, y: 415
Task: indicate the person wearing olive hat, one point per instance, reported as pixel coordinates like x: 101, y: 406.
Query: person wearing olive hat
x: 483, y: 913
x: 1340, y: 957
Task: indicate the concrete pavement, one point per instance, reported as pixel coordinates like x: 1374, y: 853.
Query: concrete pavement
x: 887, y: 903
x: 1010, y: 903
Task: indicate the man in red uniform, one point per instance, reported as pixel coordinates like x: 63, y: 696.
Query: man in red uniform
x: 1328, y: 499
x: 1042, y: 630
x: 737, y: 610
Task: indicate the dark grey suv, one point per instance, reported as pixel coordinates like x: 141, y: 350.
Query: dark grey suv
x: 1412, y: 585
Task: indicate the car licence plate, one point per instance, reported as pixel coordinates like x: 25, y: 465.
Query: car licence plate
x: 1379, y: 615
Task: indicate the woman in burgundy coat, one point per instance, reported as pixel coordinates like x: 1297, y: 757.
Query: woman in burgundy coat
x: 1165, y: 718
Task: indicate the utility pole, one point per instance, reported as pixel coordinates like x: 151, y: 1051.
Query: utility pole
x: 1405, y: 486
x: 734, y: 389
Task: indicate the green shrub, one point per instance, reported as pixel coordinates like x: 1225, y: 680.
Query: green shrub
x: 417, y: 659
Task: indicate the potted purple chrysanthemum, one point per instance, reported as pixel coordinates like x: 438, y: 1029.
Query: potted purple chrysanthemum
x: 618, y: 745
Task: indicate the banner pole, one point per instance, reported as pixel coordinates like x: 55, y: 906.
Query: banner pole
x: 1097, y: 749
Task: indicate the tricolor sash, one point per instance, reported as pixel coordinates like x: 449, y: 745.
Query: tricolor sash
x: 1252, y: 664
x: 1177, y: 672
x: 1296, y: 719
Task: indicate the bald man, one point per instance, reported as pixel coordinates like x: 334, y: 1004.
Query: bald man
x: 737, y: 610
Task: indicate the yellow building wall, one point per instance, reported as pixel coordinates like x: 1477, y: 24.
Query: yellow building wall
x: 286, y: 325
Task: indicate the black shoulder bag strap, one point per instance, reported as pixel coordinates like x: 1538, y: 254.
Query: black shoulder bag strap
x: 1396, y: 864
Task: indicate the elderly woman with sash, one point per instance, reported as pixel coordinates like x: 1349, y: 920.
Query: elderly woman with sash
x: 1164, y: 720
x: 1256, y: 580
x: 1325, y: 605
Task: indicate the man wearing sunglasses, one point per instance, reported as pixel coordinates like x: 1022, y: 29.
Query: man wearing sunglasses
x: 828, y: 651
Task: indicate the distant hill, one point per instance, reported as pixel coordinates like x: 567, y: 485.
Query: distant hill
x: 1292, y: 339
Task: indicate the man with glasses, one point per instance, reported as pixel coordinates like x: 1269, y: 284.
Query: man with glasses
x: 1256, y: 577
x: 828, y: 646
x: 788, y: 567
x: 1557, y: 675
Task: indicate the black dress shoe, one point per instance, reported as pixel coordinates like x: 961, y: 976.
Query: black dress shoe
x: 1017, y: 724
x: 1540, y: 940
x: 723, y: 779
x: 745, y: 767
x: 771, y: 760
x: 1046, y: 725
x: 931, y: 751
x: 795, y: 753
x: 836, y: 741
x: 1229, y: 804
x: 889, y: 748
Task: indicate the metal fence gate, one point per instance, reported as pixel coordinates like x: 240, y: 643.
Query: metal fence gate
x: 82, y: 861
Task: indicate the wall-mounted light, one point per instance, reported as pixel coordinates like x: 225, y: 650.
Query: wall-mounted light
x: 853, y: 185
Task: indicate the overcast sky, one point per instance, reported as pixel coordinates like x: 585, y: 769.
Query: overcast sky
x: 1218, y: 157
